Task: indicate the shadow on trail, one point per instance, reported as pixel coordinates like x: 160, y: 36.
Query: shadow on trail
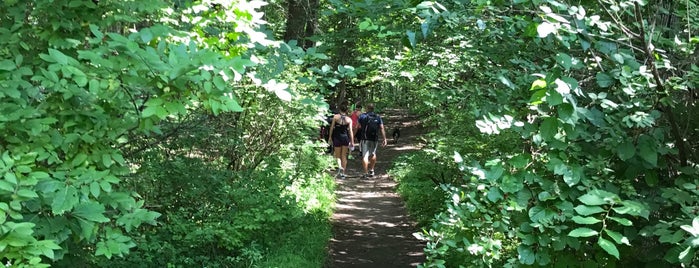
x: 370, y: 224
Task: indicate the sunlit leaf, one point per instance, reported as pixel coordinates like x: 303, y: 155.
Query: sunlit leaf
x: 582, y: 232
x: 608, y: 246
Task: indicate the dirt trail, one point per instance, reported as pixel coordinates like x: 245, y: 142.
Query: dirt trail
x: 370, y: 225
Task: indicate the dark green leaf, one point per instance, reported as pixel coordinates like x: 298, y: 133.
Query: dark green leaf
x: 604, y: 80
x: 626, y: 150
x: 647, y: 150
x: 564, y: 60
x: 549, y: 128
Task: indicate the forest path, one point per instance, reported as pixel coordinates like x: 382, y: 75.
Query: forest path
x: 371, y: 227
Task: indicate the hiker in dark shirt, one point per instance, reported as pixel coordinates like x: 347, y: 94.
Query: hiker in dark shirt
x: 370, y: 125
x: 342, y: 138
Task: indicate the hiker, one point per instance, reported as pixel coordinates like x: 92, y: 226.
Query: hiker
x: 342, y: 137
x: 370, y: 124
x: 355, y: 121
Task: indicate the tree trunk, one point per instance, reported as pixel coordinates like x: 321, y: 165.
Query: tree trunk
x: 301, y: 21
x: 311, y: 22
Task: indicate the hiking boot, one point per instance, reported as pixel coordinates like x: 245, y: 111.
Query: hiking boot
x: 371, y: 173
x: 343, y: 176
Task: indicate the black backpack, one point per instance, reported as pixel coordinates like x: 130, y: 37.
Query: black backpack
x: 370, y: 127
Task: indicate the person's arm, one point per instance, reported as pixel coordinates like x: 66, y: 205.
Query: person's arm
x: 383, y: 134
x: 351, y: 132
x: 332, y: 127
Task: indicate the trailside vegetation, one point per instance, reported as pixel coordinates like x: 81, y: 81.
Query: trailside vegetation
x: 183, y: 133
x: 157, y: 134
x: 561, y: 132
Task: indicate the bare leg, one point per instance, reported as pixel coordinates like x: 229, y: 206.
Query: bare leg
x: 337, y: 153
x: 343, y: 158
x: 365, y: 156
x: 372, y: 161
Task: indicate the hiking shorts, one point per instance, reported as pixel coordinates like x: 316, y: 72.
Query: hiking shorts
x: 369, y: 148
x: 341, y: 141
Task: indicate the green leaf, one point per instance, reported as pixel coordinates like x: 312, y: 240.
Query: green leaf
x: 633, y: 208
x: 411, y: 38
x: 538, y: 97
x: 511, y: 184
x: 554, y: 98
x: 11, y: 178
x: 94, y: 86
x: 64, y: 200
x: 95, y: 189
x: 58, y: 56
x: 647, y: 150
x: 6, y: 186
x: 526, y: 255
x: 609, y: 247
x: 617, y: 237
x: 7, y: 65
x: 566, y: 112
x: 26, y: 193
x: 79, y: 160
x: 146, y: 35
x: 621, y: 221
x: 107, y: 160
x: 585, y: 220
x: 494, y: 194
x: 505, y: 81
x: 626, y: 150
x: 103, y: 250
x: 549, y: 128
x: 651, y: 178
x: 582, y: 232
x: 96, y: 31
x: 90, y: 211
x: 598, y: 197
x: 604, y: 80
x: 541, y: 214
x: 564, y: 60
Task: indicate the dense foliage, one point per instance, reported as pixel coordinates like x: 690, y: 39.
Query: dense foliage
x: 182, y: 133
x: 592, y: 106
x: 162, y: 129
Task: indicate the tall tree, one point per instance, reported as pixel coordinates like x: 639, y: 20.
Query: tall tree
x: 301, y: 21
